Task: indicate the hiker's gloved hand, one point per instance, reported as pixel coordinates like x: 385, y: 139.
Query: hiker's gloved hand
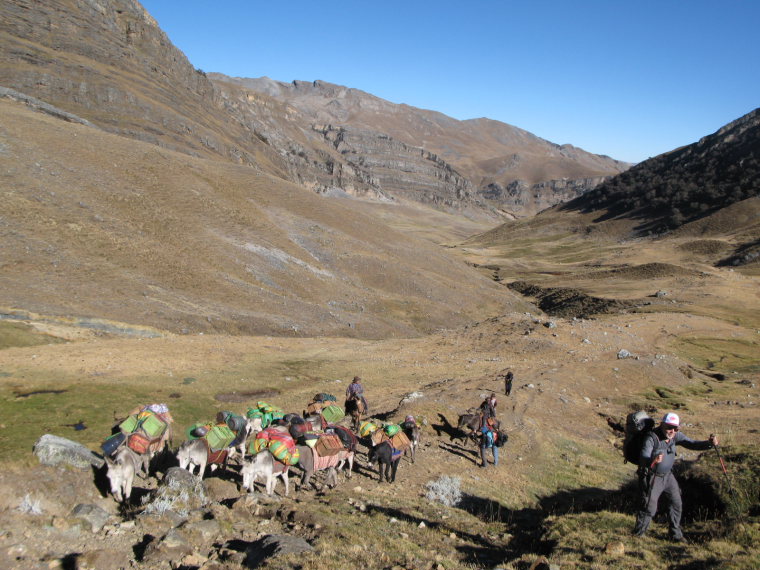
x: 713, y: 439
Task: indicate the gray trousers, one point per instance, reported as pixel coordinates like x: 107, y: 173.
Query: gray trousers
x: 650, y: 495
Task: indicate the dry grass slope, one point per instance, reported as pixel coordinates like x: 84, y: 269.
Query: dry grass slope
x: 99, y: 226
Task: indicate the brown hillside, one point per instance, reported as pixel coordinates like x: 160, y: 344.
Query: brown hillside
x: 97, y: 225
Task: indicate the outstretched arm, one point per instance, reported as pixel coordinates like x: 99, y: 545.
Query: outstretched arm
x: 689, y: 443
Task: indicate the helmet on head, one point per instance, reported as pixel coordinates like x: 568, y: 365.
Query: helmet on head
x: 671, y: 419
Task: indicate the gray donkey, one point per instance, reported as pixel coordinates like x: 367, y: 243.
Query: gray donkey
x: 121, y: 471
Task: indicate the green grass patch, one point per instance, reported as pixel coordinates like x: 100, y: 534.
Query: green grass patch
x: 14, y: 334
x: 725, y: 355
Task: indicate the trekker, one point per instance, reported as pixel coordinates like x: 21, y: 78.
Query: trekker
x: 655, y: 474
x: 488, y: 426
x: 488, y: 441
x: 488, y: 408
x: 355, y: 388
x: 508, y: 379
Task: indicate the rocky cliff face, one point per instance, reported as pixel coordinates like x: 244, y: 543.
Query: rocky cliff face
x: 108, y: 62
x: 503, y: 165
x: 518, y: 195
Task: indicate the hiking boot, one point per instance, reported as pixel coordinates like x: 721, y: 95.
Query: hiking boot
x: 678, y: 538
x: 639, y: 532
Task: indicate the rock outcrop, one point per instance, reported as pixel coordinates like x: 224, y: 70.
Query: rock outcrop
x: 54, y: 450
x: 519, y: 196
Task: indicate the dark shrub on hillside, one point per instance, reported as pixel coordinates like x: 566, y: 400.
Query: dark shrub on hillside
x: 683, y: 185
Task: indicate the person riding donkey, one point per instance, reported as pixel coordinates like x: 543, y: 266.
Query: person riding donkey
x: 655, y: 473
x: 355, y: 391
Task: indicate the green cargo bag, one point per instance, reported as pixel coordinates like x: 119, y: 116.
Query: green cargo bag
x: 129, y: 425
x: 219, y: 437
x: 153, y: 426
x: 333, y: 414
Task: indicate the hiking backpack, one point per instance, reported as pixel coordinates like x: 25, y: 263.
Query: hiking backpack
x: 638, y: 426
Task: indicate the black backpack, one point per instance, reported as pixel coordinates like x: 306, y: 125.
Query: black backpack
x: 638, y: 427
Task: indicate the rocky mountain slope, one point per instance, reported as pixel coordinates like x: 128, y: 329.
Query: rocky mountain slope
x: 685, y: 184
x: 108, y: 62
x: 509, y: 167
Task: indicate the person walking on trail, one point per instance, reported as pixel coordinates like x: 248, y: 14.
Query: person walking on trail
x: 488, y: 409
x: 488, y: 426
x: 656, y: 477
x: 355, y: 389
x: 508, y: 379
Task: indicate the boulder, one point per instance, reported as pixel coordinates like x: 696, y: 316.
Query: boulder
x: 179, y: 492
x: 172, y: 546
x: 273, y: 545
x: 92, y: 515
x: 54, y: 450
x: 103, y: 559
x: 219, y: 490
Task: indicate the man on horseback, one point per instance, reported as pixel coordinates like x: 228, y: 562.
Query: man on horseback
x: 356, y: 405
x: 355, y: 391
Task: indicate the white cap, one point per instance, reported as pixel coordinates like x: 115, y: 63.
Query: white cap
x: 671, y: 419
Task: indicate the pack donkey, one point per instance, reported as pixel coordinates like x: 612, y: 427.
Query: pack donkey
x: 197, y: 453
x: 472, y: 421
x: 386, y: 458
x: 311, y: 462
x: 412, y: 432
x: 264, y: 464
x: 356, y: 408
x: 122, y: 468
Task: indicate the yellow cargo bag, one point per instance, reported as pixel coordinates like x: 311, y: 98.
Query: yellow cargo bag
x: 367, y: 428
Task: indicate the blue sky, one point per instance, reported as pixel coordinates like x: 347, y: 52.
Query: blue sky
x: 626, y: 79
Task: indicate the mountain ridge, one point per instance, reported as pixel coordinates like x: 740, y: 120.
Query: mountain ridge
x: 111, y: 64
x: 488, y: 152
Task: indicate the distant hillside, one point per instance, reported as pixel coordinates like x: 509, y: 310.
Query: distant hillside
x: 686, y: 184
x: 506, y: 166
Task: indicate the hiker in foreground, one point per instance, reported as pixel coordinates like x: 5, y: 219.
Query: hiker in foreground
x: 655, y: 473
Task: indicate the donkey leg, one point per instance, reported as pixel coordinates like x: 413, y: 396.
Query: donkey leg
x: 394, y: 468
x: 128, y: 481
x: 286, y: 480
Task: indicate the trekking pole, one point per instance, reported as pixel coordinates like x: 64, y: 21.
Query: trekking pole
x: 731, y: 491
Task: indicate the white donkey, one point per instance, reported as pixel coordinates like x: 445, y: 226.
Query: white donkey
x: 195, y: 453
x: 121, y: 472
x: 264, y: 464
